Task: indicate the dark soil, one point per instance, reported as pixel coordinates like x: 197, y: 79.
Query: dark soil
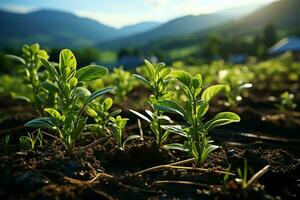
x: 107, y: 172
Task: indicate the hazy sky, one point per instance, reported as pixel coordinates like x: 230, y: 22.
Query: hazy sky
x: 118, y: 13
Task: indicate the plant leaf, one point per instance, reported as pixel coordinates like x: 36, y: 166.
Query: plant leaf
x: 174, y: 129
x: 202, y: 109
x: 16, y: 58
x: 211, y: 92
x: 116, y: 112
x: 176, y: 146
x: 50, y: 68
x: 67, y: 60
x: 98, y: 93
x: 50, y: 87
x: 197, y: 81
x: 129, y: 138
x: 150, y: 68
x: 82, y: 92
x: 54, y: 113
x: 107, y: 103
x: 41, y: 122
x: 91, y: 72
x: 182, y: 76
x: 143, y: 79
x: 222, y: 119
x: 140, y: 115
x: 169, y: 106
x: 19, y: 97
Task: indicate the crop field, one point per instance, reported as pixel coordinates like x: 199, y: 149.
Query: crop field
x: 184, y: 100
x: 216, y: 131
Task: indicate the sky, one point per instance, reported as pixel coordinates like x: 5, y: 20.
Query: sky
x: 118, y: 13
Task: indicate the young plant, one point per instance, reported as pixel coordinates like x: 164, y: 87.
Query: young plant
x: 243, y: 176
x: 108, y: 122
x: 99, y: 111
x: 196, y: 131
x: 235, y: 85
x: 158, y: 82
x: 33, y: 76
x: 68, y: 121
x: 123, y: 81
x: 118, y: 125
x: 286, y: 102
x: 226, y: 176
x: 31, y: 140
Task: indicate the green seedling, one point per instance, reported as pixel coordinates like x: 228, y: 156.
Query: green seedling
x: 118, y: 125
x: 108, y: 122
x: 243, y: 178
x: 32, y: 139
x: 158, y: 82
x: 198, y: 143
x: 226, y: 176
x: 286, y: 102
x: 68, y: 120
x: 124, y: 83
x: 234, y: 85
x: 33, y: 76
x: 99, y: 111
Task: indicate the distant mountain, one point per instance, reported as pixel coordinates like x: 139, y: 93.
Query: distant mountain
x: 53, y: 29
x: 174, y: 28
x: 180, y: 27
x: 241, y: 10
x: 283, y: 14
x: 138, y: 28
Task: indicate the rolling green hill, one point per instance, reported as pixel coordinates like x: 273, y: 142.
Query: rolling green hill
x: 59, y: 29
x: 284, y: 15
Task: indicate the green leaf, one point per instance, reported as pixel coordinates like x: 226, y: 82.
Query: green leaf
x: 107, y: 103
x: 129, y: 138
x: 176, y: 146
x: 41, y: 122
x: 169, y: 106
x: 91, y: 112
x: 16, y: 58
x: 222, y: 119
x: 67, y: 59
x: 19, y: 97
x: 35, y: 47
x: 211, y: 92
x: 197, y: 81
x: 144, y: 80
x: 150, y: 68
x: 202, y: 109
x: 91, y: 72
x: 116, y: 112
x: 82, y: 92
x: 174, y: 129
x: 54, y: 113
x: 160, y: 66
x: 163, y: 73
x: 44, y: 54
x: 140, y: 115
x: 73, y: 82
x: 50, y: 68
x: 50, y: 87
x: 97, y: 94
x: 182, y: 76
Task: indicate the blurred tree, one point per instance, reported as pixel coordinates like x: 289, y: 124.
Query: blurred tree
x: 270, y: 35
x: 212, y: 47
x: 128, y: 52
x: 7, y: 66
x: 87, y: 56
